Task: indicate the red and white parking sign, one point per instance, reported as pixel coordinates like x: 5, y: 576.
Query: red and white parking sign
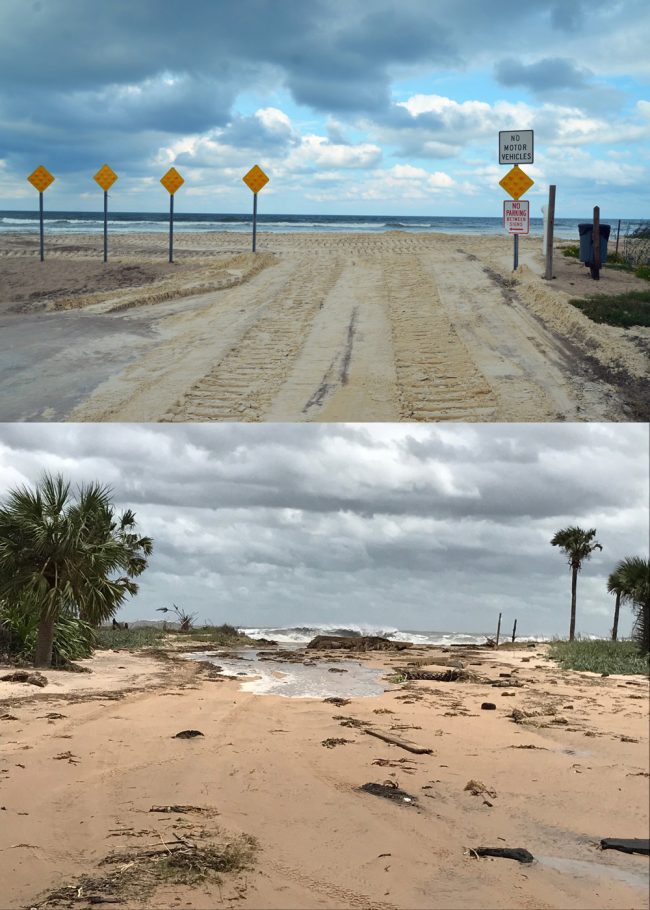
x: 516, y: 216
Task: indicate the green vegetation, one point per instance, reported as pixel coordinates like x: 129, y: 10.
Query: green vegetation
x: 643, y: 271
x: 156, y: 637
x: 573, y: 251
x: 73, y: 639
x: 66, y: 555
x: 143, y: 637
x: 626, y: 310
x: 600, y: 656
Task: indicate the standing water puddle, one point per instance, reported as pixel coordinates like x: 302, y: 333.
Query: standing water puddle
x: 295, y: 680
x: 636, y: 878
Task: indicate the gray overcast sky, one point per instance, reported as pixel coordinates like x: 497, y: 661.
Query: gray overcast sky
x: 361, y: 106
x: 418, y: 527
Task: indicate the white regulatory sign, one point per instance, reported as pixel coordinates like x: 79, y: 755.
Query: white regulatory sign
x: 516, y: 147
x: 516, y: 216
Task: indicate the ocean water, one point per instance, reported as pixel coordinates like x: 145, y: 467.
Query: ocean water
x: 300, y: 635
x: 131, y: 222
x: 343, y: 679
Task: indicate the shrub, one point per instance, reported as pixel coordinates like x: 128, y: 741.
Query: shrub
x: 74, y: 639
x: 573, y: 252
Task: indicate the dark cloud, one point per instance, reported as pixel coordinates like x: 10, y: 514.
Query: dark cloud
x: 545, y: 75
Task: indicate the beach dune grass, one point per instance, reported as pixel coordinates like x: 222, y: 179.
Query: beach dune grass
x: 624, y: 310
x: 154, y: 636
x: 599, y: 656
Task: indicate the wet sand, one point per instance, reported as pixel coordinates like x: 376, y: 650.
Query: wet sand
x: 274, y: 767
x: 314, y: 327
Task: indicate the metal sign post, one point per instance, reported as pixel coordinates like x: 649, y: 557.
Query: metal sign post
x: 516, y: 220
x: 254, y: 221
x: 171, y: 227
x: 41, y: 179
x: 516, y: 183
x: 255, y: 179
x: 41, y: 238
x: 105, y: 225
x: 105, y: 177
x: 172, y: 180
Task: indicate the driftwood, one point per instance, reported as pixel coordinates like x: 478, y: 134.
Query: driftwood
x: 395, y: 741
x: 518, y: 853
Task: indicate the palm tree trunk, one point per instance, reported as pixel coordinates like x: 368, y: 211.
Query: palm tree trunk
x: 45, y: 640
x: 616, y: 612
x: 574, y: 585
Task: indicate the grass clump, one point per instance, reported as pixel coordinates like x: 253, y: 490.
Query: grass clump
x: 573, y: 251
x: 142, y: 637
x: 626, y: 310
x: 621, y: 657
x: 643, y: 271
x: 224, y: 634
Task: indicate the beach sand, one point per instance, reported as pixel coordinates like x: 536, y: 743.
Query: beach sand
x: 557, y: 784
x: 314, y: 327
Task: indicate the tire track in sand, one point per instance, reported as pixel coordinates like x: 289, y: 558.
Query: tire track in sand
x: 346, y: 366
x: 436, y: 376
x: 242, y: 385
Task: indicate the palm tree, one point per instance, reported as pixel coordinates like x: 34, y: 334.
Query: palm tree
x: 63, y: 554
x: 615, y: 586
x: 578, y: 546
x: 632, y: 575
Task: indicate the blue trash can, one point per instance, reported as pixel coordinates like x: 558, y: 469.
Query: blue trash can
x: 587, y: 243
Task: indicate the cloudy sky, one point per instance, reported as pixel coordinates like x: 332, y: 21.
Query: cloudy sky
x: 351, y: 106
x: 416, y: 527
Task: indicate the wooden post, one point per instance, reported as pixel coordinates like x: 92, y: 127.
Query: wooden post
x: 595, y: 236
x: 514, y: 630
x: 499, y: 623
x: 550, y: 222
x: 618, y: 234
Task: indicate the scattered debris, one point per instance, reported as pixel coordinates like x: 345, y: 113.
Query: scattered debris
x: 8, y: 717
x: 395, y: 741
x: 478, y: 788
x: 507, y: 684
x: 179, y: 809
x: 451, y: 675
x: 628, y: 739
x: 518, y: 853
x: 32, y: 677
x: 630, y: 845
x: 187, y: 734
x: 390, y: 790
x: 488, y: 706
x: 53, y: 715
x: 336, y: 670
x: 350, y: 721
x: 335, y: 741
x: 357, y: 643
x: 334, y: 700
x: 72, y: 759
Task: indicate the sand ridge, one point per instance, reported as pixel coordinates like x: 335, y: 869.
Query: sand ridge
x: 325, y: 327
x: 264, y: 768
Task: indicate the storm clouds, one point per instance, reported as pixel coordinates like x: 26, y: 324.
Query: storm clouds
x: 421, y: 527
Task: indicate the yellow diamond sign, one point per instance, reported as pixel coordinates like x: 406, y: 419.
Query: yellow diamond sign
x: 172, y: 180
x: 255, y: 179
x: 105, y: 177
x: 41, y: 178
x: 516, y: 182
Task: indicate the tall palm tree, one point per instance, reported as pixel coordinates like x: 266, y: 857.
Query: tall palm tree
x: 578, y: 545
x: 615, y: 586
x: 66, y: 554
x: 633, y: 578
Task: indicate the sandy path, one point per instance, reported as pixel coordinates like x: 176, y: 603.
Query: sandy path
x: 387, y: 327
x: 261, y: 769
